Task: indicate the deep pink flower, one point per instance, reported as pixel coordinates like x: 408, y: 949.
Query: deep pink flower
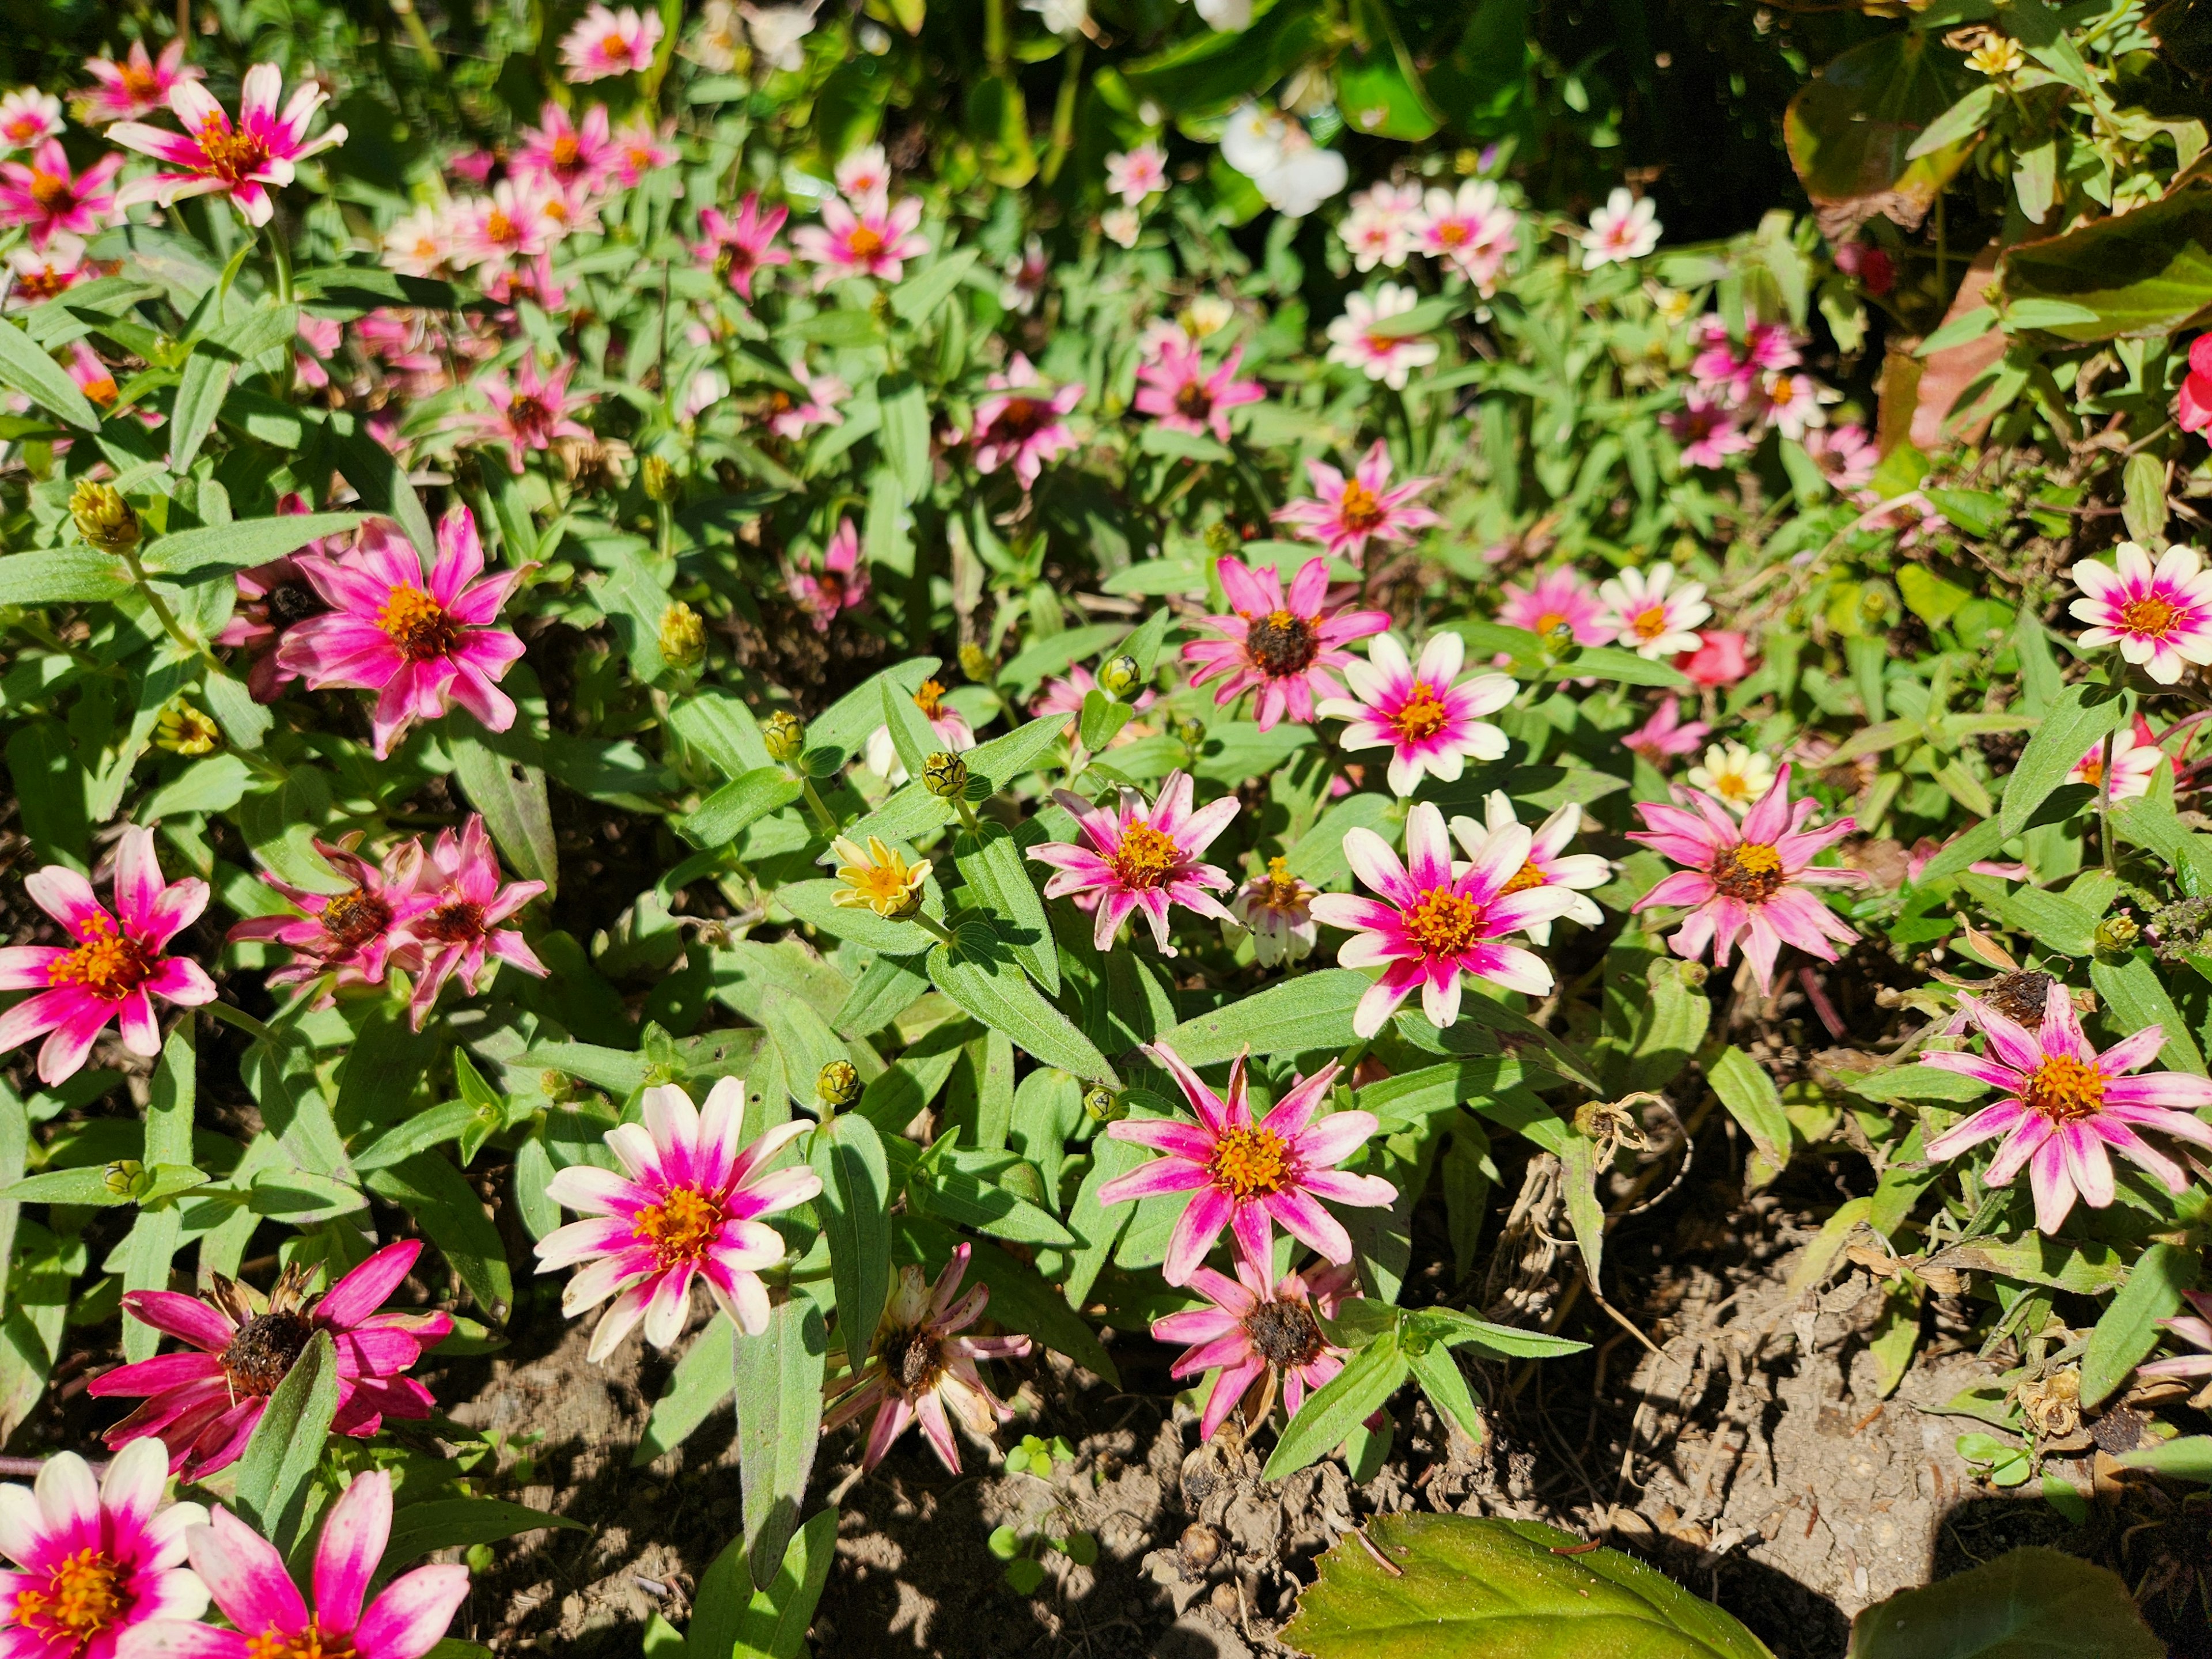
x: 1244, y: 1175
x: 1707, y: 431
x: 560, y: 153
x: 1666, y: 732
x: 213, y: 157
x: 840, y: 585
x: 350, y: 935
x: 1021, y: 425
x: 2192, y: 406
x: 139, y: 85
x: 1140, y: 858
x: 1178, y: 389
x: 452, y: 919
x: 1847, y: 453
x: 2159, y: 615
x: 687, y: 1204
x: 816, y: 404
x: 876, y: 242
x: 1429, y: 719
x: 529, y: 412
x: 1752, y: 880
x: 1559, y: 598
x: 204, y: 1406
x: 1257, y: 1338
x: 272, y: 598
x: 508, y: 228
x: 415, y: 641
x: 918, y: 1368
x: 1284, y: 646
x: 640, y: 148
x: 1719, y: 660
x: 2194, y: 1327
x: 249, y: 1583
x: 605, y: 42
x: 111, y: 969
x: 93, y: 1561
x: 1344, y: 515
x: 1437, y: 921
x: 44, y: 196
x: 37, y: 275
x: 2067, y: 1106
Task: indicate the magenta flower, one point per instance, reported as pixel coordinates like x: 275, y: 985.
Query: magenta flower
x: 1436, y: 921
x: 1753, y: 880
x: 1559, y: 598
x: 1020, y: 425
x: 876, y: 242
x: 49, y: 200
x: 1666, y: 732
x: 111, y: 968
x: 2159, y: 615
x: 640, y: 149
x: 919, y: 1368
x: 2067, y: 1108
x: 205, y: 1406
x: 94, y: 1562
x: 1257, y: 1338
x: 1429, y: 719
x: 1285, y: 646
x: 560, y: 153
x: 687, y: 1204
x: 1177, y: 389
x: 530, y: 412
x: 605, y: 42
x: 272, y: 598
x: 743, y: 245
x: 415, y: 641
x: 1244, y: 1175
x: 840, y: 585
x: 249, y: 1582
x: 2195, y: 1326
x: 452, y: 919
x: 1344, y: 515
x: 351, y: 935
x: 1707, y: 430
x: 215, y: 158
x: 138, y: 86
x: 1140, y: 858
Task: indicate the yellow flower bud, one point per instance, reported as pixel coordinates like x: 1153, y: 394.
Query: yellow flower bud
x: 103, y: 518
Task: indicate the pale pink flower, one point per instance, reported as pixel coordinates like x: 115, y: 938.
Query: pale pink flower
x: 2159, y: 615
x: 1383, y: 226
x: 509, y: 227
x: 1707, y: 430
x: 351, y: 935
x: 1177, y: 389
x: 271, y: 1619
x: 139, y: 85
x: 1624, y: 228
x: 1429, y: 719
x: 1121, y: 226
x: 114, y: 965
x: 1651, y: 614
x: 2136, y: 758
x: 1283, y: 646
x: 876, y: 242
x: 559, y: 153
x: 839, y: 584
x: 1754, y: 879
x: 864, y: 177
x: 640, y: 148
x: 1362, y: 339
x: 688, y: 1203
x: 1549, y: 864
x: 1022, y: 424
x: 1666, y: 732
x: 1276, y: 908
x: 2194, y: 1327
x: 919, y: 1368
x: 215, y: 158
x: 1065, y: 696
x: 1258, y: 1338
x: 1472, y: 229
x: 47, y: 199
x: 742, y: 246
x: 321, y: 337
x: 816, y: 404
x: 92, y: 377
x: 1244, y: 1175
x: 606, y: 42
x: 1135, y: 173
x: 36, y: 274
x: 1026, y: 274
x: 528, y: 411
x: 419, y: 243
x: 2067, y: 1108
x: 1847, y: 453
x: 451, y: 921
x: 416, y: 641
x: 29, y: 117
x: 1344, y: 515
x: 1139, y: 857
x: 1790, y: 403
x: 1560, y: 598
x: 1436, y: 921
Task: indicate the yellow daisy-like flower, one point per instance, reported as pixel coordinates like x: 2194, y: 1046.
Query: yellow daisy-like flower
x: 1998, y: 56
x: 879, y: 879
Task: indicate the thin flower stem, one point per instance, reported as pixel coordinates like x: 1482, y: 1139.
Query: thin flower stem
x: 968, y: 816
x: 2105, y: 805
x: 930, y: 925
x: 247, y: 1023
x: 162, y: 614
x: 822, y: 816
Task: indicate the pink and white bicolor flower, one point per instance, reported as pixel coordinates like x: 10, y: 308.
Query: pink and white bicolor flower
x: 1651, y: 614
x: 1135, y: 173
x: 1429, y: 719
x: 213, y: 157
x: 875, y: 241
x: 605, y: 42
x: 1257, y: 1336
x: 137, y: 86
x: 1140, y: 857
x: 1560, y: 600
x: 1344, y: 515
x: 2159, y: 615
x: 1244, y: 1175
x: 1549, y: 863
x: 1287, y: 648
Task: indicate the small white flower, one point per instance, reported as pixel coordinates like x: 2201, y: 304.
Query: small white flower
x: 1389, y: 358
x: 1062, y: 17
x: 1739, y: 777
x: 776, y: 32
x: 1121, y: 225
x: 1623, y: 229
x: 1252, y: 143
x: 1226, y: 17
x: 1650, y: 616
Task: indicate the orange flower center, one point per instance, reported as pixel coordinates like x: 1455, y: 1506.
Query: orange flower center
x: 1361, y: 508
x: 2064, y: 1089
x: 234, y: 155
x: 54, y: 192
x: 354, y: 919
x: 1144, y: 856
x: 1281, y: 644
x: 110, y: 967
x: 312, y: 1643
x: 1453, y: 233
x: 567, y: 151
x: 930, y: 699
x: 2149, y: 615
x: 1423, y: 715
x: 102, y: 390
x: 1751, y: 872
x: 83, y: 1595
x: 1650, y: 622
x: 680, y: 1227
x: 44, y: 282
x: 1550, y: 621
x: 1526, y: 877
x: 1250, y: 1162
x: 418, y: 624
x: 141, y: 83
x: 1444, y: 923
x: 864, y: 243
x: 614, y: 46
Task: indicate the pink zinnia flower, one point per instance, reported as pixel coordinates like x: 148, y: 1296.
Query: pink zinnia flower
x: 1559, y: 598
x: 251, y: 1584
x: 93, y: 378
x: 452, y: 919
x: 2159, y: 615
x: 1473, y: 229
x: 1549, y: 864
x: 1021, y: 425
x: 1256, y: 1338
x: 1383, y: 226
x: 840, y: 585
x: 1430, y: 721
x: 111, y: 969
x: 1244, y: 1175
x: 529, y: 411
x: 1276, y: 908
x: 95, y: 1561
x: 864, y: 176
x: 139, y: 85
x: 606, y: 42
x: 686, y: 1205
x: 1666, y: 732
x: 419, y: 243
x: 1362, y: 339
x: 44, y: 196
x: 2193, y: 405
x: 37, y: 275
x: 2136, y: 757
x: 508, y: 227
x: 1140, y: 858
x: 205, y: 1406
x: 1437, y: 921
x: 2067, y: 1106
x: 1652, y: 616
x: 1847, y: 453
x: 1721, y: 658
x: 26, y: 116
x: 2195, y: 1326
x: 1753, y: 879
x: 919, y: 1368
x: 215, y: 158
x: 816, y: 404
x: 350, y: 935
x: 876, y: 242
x: 1283, y: 646
x: 272, y: 598
x: 1136, y: 173
x: 1176, y: 388
x: 1624, y: 228
x: 1345, y: 513
x: 560, y: 153
x: 640, y: 148
x: 417, y: 641
x: 1706, y: 429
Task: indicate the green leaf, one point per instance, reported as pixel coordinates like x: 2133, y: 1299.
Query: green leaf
x: 2145, y: 274
x: 998, y: 877
x: 2054, y: 751
x: 451, y: 1216
x: 1608, y: 662
x: 73, y: 575
x: 982, y: 977
x: 1211, y: 70
x: 2189, y: 1458
x: 511, y: 795
x: 2143, y: 496
x: 450, y: 1522
x: 1454, y: 1329
x: 915, y: 298
x: 847, y: 1154
x: 903, y: 437
x: 2136, y: 997
x: 967, y: 1199
x: 1753, y: 1101
x: 25, y: 369
x: 2027, y: 1602
x: 273, y: 1475
x: 1963, y: 120
x: 779, y: 1382
x: 245, y: 542
x: 1311, y: 1011
x: 2128, y: 1330
x: 736, y: 806
x: 1446, y: 1386
x: 911, y: 735
x: 1852, y: 133
x: 1917, y: 1083
x: 1097, y: 1227
x: 774, y: 1623
x: 1354, y: 1394
x: 1501, y: 1590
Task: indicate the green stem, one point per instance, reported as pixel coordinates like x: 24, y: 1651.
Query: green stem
x: 968, y: 816
x: 247, y: 1023
x: 822, y: 815
x: 162, y: 614
x: 931, y: 926
x: 2105, y: 805
x: 994, y: 34
x: 280, y: 252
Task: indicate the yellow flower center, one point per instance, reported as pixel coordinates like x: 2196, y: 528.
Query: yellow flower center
x: 233, y: 154
x: 1526, y: 877
x: 1144, y: 856
x: 312, y: 1643
x: 83, y: 1595
x: 2092, y: 770
x: 142, y: 84
x: 1444, y: 923
x: 930, y: 699
x: 2149, y: 615
x: 680, y: 1227
x: 1550, y: 621
x: 2064, y: 1089
x: 1285, y: 890
x: 1250, y: 1162
x: 52, y: 191
x: 1751, y: 872
x: 1360, y: 508
x: 418, y: 624
x: 110, y: 967
x: 567, y: 151
x: 1732, y: 785
x: 1424, y: 714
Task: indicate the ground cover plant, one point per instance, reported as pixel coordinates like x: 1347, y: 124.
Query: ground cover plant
x: 1279, y: 827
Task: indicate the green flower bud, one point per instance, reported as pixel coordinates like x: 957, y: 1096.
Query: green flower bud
x: 1120, y: 676
x: 945, y: 775
x: 103, y: 518
x: 838, y: 1083
x: 2116, y: 935
x: 556, y: 1087
x: 976, y: 663
x: 127, y: 1178
x: 661, y: 481
x: 683, y: 636
x: 785, y: 734
x: 1103, y: 1105
x: 1190, y: 732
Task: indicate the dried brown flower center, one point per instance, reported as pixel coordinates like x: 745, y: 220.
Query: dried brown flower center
x: 1194, y: 400
x: 455, y: 922
x: 293, y: 602
x: 354, y: 919
x: 912, y: 1359
x: 1751, y: 872
x: 1250, y: 1162
x: 2020, y: 997
x: 1285, y: 1332
x: 1281, y: 644
x: 261, y: 1355
x: 1146, y: 855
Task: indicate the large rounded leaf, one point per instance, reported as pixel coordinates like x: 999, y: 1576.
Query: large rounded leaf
x: 2029, y: 1604
x: 1848, y: 133
x: 2145, y: 274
